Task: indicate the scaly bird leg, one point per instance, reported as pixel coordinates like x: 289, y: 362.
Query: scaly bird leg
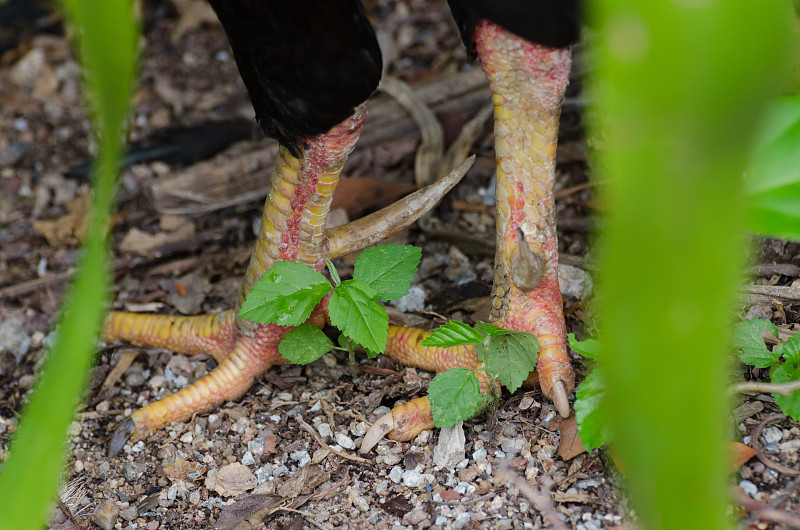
x: 528, y: 83
x: 292, y: 229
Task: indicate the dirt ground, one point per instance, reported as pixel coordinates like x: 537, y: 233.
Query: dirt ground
x: 283, y: 455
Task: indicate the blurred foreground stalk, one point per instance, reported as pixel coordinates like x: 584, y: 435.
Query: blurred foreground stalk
x: 106, y: 33
x: 679, y: 88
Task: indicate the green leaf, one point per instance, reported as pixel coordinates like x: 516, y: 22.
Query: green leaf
x: 490, y: 330
x: 511, y: 357
x: 591, y: 412
x: 589, y: 348
x: 285, y: 294
x: 752, y: 350
x: 304, y: 344
x: 453, y: 333
x: 388, y: 269
x: 790, y: 350
x: 353, y: 310
x: 333, y: 272
x: 455, y: 396
x: 783, y: 373
x: 773, y: 179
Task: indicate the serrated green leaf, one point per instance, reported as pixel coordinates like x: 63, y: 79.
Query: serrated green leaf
x: 511, y: 357
x: 388, y: 269
x: 453, y: 333
x: 591, y: 412
x: 489, y: 330
x: 790, y: 350
x: 285, y: 294
x: 455, y: 395
x: 355, y: 312
x: 752, y: 350
x: 304, y: 344
x: 589, y: 348
x: 783, y: 373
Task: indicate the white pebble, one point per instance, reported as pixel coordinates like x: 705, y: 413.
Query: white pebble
x: 748, y: 487
x: 412, y: 478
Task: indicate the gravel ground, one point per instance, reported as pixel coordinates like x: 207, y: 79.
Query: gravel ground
x: 284, y: 455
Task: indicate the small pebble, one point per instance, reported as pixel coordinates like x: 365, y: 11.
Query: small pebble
x: 791, y: 446
x: 396, y: 474
x: 105, y: 516
x: 345, y: 441
x: 771, y: 435
x: 302, y: 457
x: 748, y: 487
x: 130, y: 513
x: 412, y: 478
x: 324, y: 430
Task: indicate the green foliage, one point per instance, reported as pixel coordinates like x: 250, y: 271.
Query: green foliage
x: 453, y: 333
x: 749, y: 343
x: 287, y: 293
x: 455, y: 395
x: 511, y: 357
x: 752, y: 350
x: 304, y: 344
x: 107, y: 49
x: 388, y: 269
x: 589, y: 348
x: 678, y: 94
x: 591, y: 412
x: 773, y: 181
x: 354, y: 309
x: 507, y: 356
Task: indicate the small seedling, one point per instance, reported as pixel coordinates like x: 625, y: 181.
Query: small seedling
x: 506, y: 357
x: 288, y: 292
x: 783, y: 361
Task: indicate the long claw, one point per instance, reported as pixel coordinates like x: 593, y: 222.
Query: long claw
x: 379, y: 429
x: 560, y: 398
x: 384, y: 223
x: 120, y: 436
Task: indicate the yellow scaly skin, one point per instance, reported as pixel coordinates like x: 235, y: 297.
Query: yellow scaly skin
x: 292, y: 229
x: 528, y: 83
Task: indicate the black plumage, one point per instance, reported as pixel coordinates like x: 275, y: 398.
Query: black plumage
x: 306, y: 63
x: 554, y: 23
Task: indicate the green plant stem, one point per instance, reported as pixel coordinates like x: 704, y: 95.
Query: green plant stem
x: 679, y: 89
x: 107, y: 38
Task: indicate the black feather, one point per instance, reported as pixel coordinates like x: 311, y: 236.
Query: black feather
x: 554, y: 23
x: 306, y: 63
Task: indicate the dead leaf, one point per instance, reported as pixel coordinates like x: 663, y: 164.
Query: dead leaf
x: 739, y: 454
x: 231, y: 480
x: 180, y: 468
x: 192, y: 14
x: 143, y: 243
x: 571, y: 445
x: 358, y: 194
x: 70, y: 228
x: 232, y: 514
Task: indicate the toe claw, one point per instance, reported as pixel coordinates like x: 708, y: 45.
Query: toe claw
x: 379, y: 429
x: 560, y: 398
x: 120, y: 436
